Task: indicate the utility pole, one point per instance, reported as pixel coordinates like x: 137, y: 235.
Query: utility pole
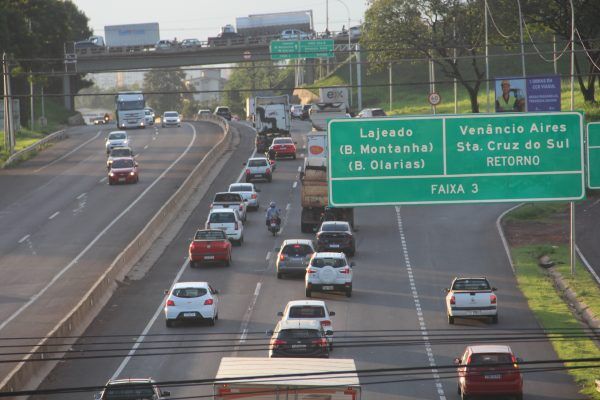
x: 487, y: 62
x: 554, y: 54
x: 572, y: 204
x: 390, y: 79
x: 31, y: 103
x: 327, y: 15
x: 521, y: 33
x: 358, y: 78
x: 9, y: 139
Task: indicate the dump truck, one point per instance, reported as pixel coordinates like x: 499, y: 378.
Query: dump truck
x: 262, y: 378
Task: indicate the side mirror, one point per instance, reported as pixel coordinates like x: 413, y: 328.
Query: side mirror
x: 216, y: 291
x: 277, y: 248
x: 328, y: 333
x: 166, y: 393
x: 167, y: 291
x: 280, y: 314
x: 269, y: 332
x: 457, y: 361
x: 494, y: 289
x: 332, y: 313
x: 137, y: 165
x: 446, y: 290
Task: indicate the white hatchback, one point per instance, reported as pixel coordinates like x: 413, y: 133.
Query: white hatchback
x: 310, y: 309
x: 191, y: 301
x: 228, y: 220
x: 328, y: 272
x: 116, y: 139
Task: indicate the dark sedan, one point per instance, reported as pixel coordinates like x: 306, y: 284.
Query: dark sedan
x: 336, y: 236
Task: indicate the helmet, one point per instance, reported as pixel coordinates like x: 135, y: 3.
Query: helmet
x: 272, y: 204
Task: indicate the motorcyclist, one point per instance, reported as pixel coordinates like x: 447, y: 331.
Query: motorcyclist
x: 273, y: 212
x: 271, y: 154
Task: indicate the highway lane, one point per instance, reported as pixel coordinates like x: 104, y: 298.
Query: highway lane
x: 440, y: 242
x: 67, y: 229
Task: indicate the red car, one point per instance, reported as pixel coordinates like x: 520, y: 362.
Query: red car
x: 284, y: 147
x: 123, y: 170
x: 489, y: 370
x: 208, y: 246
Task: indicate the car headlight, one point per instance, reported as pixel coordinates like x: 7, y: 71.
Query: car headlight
x: 132, y: 173
x: 111, y: 174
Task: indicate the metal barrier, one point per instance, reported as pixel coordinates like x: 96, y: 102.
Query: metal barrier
x: 22, y: 154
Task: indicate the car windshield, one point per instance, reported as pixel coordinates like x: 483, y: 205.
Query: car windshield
x: 222, y: 110
x: 337, y: 227
x: 171, y: 114
x: 117, y: 136
x: 321, y: 262
x: 257, y: 163
x: 148, y: 112
x: 122, y: 163
x: 240, y: 188
x: 210, y: 235
x: 120, y: 153
x: 189, y: 293
x: 298, y: 333
x: 311, y: 312
x: 471, y: 284
x: 130, y: 105
x: 227, y: 197
x: 490, y: 359
x: 221, y: 218
x: 129, y: 392
x: 378, y: 112
x: 297, y: 250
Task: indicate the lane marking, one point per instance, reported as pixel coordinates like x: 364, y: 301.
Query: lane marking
x: 257, y: 290
x: 140, y: 339
x: 103, y: 179
x: 80, y: 196
x: 68, y: 154
x: 145, y: 147
x: 417, y: 301
x: 24, y: 238
x: 239, y: 179
x: 100, y: 235
x: 246, y: 319
x: 154, y: 138
x: 268, y: 255
x: 299, y: 168
x: 295, y: 184
x: 287, y: 208
x: 244, y: 335
x: 54, y: 215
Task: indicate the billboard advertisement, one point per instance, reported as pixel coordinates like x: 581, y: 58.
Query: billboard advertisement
x: 532, y: 94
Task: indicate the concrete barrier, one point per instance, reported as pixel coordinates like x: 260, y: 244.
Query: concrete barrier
x: 29, y: 372
x: 27, y: 151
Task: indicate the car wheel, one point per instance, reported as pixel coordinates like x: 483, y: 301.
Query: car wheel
x: 349, y: 292
x: 211, y: 322
x: 294, y: 157
x: 169, y: 323
x: 110, y: 182
x: 308, y: 293
x: 228, y: 262
x: 450, y: 319
x: 495, y: 319
x: 458, y: 389
x: 351, y: 253
x: 270, y: 179
x: 519, y: 397
x: 330, y: 346
x: 279, y: 275
x: 463, y: 396
x: 248, y: 180
x: 217, y: 316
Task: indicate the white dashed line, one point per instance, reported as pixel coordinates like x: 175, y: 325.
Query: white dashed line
x: 154, y: 138
x: 247, y: 316
x: 299, y: 168
x: 287, y: 208
x: 295, y: 184
x: 24, y: 238
x: 103, y: 179
x: 145, y: 147
x: 244, y: 335
x: 54, y: 215
x: 268, y: 256
x: 415, y: 294
x: 80, y: 196
x: 257, y: 290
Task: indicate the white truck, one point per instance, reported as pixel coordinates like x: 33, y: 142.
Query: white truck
x: 471, y: 298
x: 250, y: 108
x: 132, y: 35
x: 130, y: 110
x: 271, y: 119
x: 274, y: 23
x: 334, y: 94
x: 261, y: 378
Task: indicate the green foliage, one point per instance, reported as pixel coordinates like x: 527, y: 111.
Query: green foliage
x: 165, y: 83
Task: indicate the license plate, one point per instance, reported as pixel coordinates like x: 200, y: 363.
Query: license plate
x: 327, y: 287
x: 209, y: 257
x: 189, y: 314
x: 258, y: 175
x: 334, y: 246
x: 122, y: 179
x: 475, y: 312
x: 298, y: 346
x: 494, y: 376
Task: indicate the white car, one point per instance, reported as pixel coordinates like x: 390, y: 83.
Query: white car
x: 371, y: 113
x: 163, y: 44
x: 116, y: 139
x: 310, y: 309
x: 249, y: 192
x: 328, y: 272
x: 471, y: 298
x: 191, y: 301
x: 227, y: 220
x: 171, y: 118
x: 258, y: 168
x: 149, y: 117
x: 294, y: 34
x: 296, y: 110
x: 204, y: 113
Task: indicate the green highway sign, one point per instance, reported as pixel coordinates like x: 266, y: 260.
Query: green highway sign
x: 292, y: 49
x: 593, y: 155
x: 456, y: 159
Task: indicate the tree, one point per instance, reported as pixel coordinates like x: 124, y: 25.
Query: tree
x: 169, y: 86
x: 556, y: 17
x: 432, y: 29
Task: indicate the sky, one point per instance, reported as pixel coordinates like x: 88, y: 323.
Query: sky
x: 203, y: 18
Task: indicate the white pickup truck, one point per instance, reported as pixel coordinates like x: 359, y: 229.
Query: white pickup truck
x: 471, y: 298
x: 230, y: 200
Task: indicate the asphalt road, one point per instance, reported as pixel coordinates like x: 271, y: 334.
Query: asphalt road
x: 587, y: 231
x: 405, y: 257
x: 62, y: 224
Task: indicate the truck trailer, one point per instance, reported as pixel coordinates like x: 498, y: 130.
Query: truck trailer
x: 274, y: 23
x: 260, y: 378
x: 143, y: 35
x: 271, y: 119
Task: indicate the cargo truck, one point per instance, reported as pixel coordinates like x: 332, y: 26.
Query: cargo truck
x: 274, y: 23
x: 132, y: 35
x: 130, y: 110
x: 271, y: 119
x: 259, y: 378
x: 314, y: 192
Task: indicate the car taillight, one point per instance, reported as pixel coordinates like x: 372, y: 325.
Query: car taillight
x: 452, y: 300
x: 241, y: 207
x: 326, y: 323
x: 345, y: 270
x: 208, y: 302
x: 514, y: 361
x: 321, y: 342
x: 253, y: 195
x: 282, y: 257
x: 247, y: 171
x: 277, y: 342
x: 268, y: 170
x: 311, y: 271
x: 493, y: 299
x: 236, y: 226
x: 170, y: 303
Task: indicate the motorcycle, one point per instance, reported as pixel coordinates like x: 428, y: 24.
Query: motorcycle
x: 274, y: 226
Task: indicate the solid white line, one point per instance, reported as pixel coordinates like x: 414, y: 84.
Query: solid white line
x: 54, y: 215
x: 247, y: 316
x: 287, y: 208
x: 24, y: 238
x: 295, y: 184
x: 95, y: 240
x: 587, y: 264
x: 142, y: 336
x: 68, y: 154
x: 257, y: 290
x: 145, y: 147
x: 80, y: 196
x: 244, y: 335
x: 239, y: 179
x: 268, y: 255
x: 503, y: 238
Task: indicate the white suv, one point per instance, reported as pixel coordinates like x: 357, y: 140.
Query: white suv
x: 228, y: 220
x: 328, y: 272
x: 310, y: 309
x: 258, y: 168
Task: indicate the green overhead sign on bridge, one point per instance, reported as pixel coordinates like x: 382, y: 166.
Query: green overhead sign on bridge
x: 456, y: 159
x: 293, y: 49
x: 593, y: 155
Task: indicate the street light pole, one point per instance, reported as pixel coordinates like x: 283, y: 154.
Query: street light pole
x: 521, y: 34
x: 349, y: 50
x: 487, y: 62
x: 572, y: 204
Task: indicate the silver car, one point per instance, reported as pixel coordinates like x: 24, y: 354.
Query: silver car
x: 294, y: 256
x: 116, y: 139
x: 248, y: 192
x: 171, y: 118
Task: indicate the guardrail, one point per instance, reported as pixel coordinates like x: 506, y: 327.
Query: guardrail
x: 27, y: 151
x: 79, y: 317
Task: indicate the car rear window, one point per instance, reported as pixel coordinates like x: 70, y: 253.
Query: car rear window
x: 257, y: 163
x: 117, y: 136
x: 228, y: 197
x: 310, y: 312
x: 240, y: 188
x: 122, y: 164
x: 123, y: 392
x: 282, y: 141
x: 120, y: 153
x: 298, y: 333
x: 210, y: 235
x: 322, y: 262
x: 378, y: 112
x: 221, y: 218
x: 223, y: 109
x: 489, y: 359
x: 471, y: 284
x: 334, y: 227
x: 189, y: 293
x: 295, y: 250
